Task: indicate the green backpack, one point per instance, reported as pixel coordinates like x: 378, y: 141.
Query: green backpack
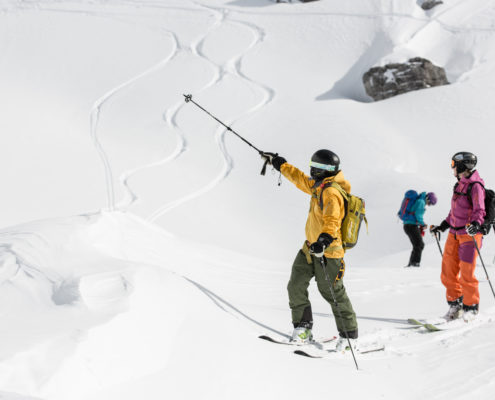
x: 354, y: 214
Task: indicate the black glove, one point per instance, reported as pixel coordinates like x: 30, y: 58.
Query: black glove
x: 473, y: 228
x: 439, y: 228
x: 318, y: 248
x: 277, y: 162
x: 273, y: 159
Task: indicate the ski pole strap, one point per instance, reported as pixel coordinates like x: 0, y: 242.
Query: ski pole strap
x: 263, y: 170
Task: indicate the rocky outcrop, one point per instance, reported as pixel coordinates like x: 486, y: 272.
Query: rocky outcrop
x: 429, y: 4
x: 393, y: 79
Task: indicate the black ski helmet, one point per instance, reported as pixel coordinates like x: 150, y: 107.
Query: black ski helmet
x: 324, y: 163
x: 464, y: 161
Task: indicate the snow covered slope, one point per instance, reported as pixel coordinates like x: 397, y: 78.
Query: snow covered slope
x: 165, y: 291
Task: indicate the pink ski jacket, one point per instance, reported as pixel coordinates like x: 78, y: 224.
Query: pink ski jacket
x: 466, y: 209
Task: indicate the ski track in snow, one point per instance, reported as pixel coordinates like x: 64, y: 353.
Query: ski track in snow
x: 94, y: 118
x: 232, y: 66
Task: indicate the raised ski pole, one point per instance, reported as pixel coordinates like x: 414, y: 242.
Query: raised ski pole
x: 323, y: 262
x: 482, y: 263
x: 188, y: 99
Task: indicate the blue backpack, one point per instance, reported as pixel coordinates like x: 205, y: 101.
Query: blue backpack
x: 407, y: 204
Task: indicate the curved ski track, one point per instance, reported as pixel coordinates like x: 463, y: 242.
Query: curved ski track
x: 170, y: 116
x: 232, y: 66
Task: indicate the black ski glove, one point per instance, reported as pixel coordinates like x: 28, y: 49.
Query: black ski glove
x: 318, y: 248
x: 473, y: 228
x: 277, y: 162
x: 273, y: 159
x: 439, y: 228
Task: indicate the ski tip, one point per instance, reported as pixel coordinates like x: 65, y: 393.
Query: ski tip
x: 372, y: 350
x: 303, y: 353
x: 432, y: 328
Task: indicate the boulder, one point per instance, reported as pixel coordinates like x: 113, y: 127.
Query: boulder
x: 429, y: 4
x: 393, y: 79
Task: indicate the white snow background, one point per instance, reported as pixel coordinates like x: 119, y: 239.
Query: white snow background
x: 142, y: 253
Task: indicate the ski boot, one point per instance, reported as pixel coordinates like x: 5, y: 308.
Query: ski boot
x: 302, y: 334
x: 342, y: 343
x: 416, y: 264
x: 470, y: 312
x: 455, y: 310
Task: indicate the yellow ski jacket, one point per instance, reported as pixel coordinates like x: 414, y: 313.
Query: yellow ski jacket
x: 329, y: 219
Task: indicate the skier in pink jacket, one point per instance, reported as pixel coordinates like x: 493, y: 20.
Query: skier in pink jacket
x: 465, y: 218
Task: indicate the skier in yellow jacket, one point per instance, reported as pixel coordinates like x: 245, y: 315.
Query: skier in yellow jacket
x: 323, y: 237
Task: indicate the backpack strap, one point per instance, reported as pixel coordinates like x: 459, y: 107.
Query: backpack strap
x: 471, y: 186
x: 468, y: 192
x: 335, y: 185
x: 345, y: 197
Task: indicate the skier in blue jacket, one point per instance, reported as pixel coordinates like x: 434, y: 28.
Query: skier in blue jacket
x: 414, y: 226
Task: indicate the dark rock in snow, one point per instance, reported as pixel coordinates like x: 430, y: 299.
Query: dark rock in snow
x: 393, y: 79
x: 429, y: 4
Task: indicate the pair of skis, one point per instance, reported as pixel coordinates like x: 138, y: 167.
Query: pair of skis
x: 428, y: 326
x: 443, y: 324
x: 316, y: 343
x: 317, y: 349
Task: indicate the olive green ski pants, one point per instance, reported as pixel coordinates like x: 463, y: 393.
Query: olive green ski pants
x: 302, y: 273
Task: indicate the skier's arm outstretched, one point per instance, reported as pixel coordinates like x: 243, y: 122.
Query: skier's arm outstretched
x: 293, y: 174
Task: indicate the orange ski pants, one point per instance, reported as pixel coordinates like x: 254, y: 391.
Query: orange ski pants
x: 458, y: 265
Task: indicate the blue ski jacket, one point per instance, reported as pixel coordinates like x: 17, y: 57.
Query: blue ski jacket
x: 417, y: 211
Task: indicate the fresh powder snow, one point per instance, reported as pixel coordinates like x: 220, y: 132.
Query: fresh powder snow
x: 141, y: 251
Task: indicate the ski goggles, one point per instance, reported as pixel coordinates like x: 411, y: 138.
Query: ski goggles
x: 326, y: 167
x: 456, y: 159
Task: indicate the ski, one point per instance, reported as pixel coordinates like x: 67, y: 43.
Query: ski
x: 429, y: 327
x: 286, y: 342
x: 441, y: 324
x: 333, y: 351
x: 306, y: 354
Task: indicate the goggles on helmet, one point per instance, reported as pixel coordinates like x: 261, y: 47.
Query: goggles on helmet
x: 326, y: 167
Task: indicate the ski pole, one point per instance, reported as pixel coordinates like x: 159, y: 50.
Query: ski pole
x: 482, y: 263
x: 323, y: 262
x: 437, y: 237
x: 188, y: 99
